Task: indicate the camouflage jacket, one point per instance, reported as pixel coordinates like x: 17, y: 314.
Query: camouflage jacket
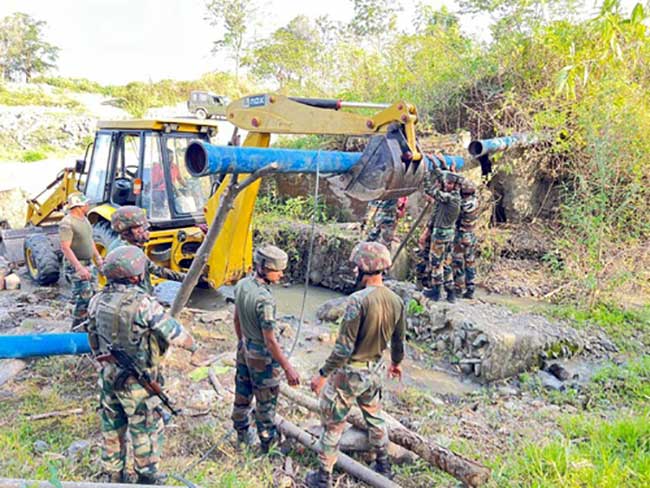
x: 148, y: 320
x: 373, y: 317
x: 469, y: 210
x: 151, y: 269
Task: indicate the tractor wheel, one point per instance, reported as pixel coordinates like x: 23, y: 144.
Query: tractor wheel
x: 41, y: 259
x: 201, y: 113
x: 103, y: 236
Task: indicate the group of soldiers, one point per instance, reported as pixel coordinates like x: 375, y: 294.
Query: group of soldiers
x: 124, y: 319
x: 447, y: 244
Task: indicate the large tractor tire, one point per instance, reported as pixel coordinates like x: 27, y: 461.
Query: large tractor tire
x: 103, y: 236
x: 41, y: 259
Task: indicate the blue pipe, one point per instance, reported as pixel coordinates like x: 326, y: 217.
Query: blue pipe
x: 204, y: 159
x: 484, y: 147
x: 30, y: 345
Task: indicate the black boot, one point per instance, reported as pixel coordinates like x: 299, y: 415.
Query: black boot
x: 319, y: 479
x: 152, y: 479
x: 112, y: 477
x: 382, y: 465
x: 451, y: 295
x: 469, y: 293
x: 245, y: 438
x: 266, y: 444
x: 433, y: 293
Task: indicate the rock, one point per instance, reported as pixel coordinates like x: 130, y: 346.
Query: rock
x: 549, y: 381
x: 507, y: 390
x: 40, y: 446
x: 12, y: 282
x: 166, y: 291
x: 332, y: 310
x: 559, y: 372
x: 77, y: 448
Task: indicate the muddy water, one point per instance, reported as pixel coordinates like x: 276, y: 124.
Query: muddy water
x: 315, y: 340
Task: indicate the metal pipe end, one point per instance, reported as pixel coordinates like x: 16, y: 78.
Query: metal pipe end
x: 475, y: 148
x: 196, y: 159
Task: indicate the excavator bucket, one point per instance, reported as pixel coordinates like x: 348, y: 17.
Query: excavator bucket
x: 385, y: 171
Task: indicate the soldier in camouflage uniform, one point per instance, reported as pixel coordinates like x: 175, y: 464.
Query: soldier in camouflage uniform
x: 464, y: 257
x: 76, y: 239
x: 353, y: 372
x: 441, y: 187
x: 383, y: 216
x: 131, y: 224
x: 123, y: 316
x: 259, y: 356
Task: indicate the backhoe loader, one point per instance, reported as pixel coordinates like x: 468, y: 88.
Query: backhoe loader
x: 139, y: 162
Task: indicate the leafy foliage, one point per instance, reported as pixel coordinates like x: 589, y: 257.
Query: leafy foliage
x: 23, y: 50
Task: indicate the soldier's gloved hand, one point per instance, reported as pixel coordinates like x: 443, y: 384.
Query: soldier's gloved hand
x: 293, y: 378
x: 84, y: 274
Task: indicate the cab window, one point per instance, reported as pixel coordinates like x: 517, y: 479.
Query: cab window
x: 155, y: 198
x: 126, y: 169
x: 96, y: 181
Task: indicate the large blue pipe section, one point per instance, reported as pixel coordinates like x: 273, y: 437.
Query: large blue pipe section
x: 32, y: 345
x: 484, y: 147
x: 203, y: 159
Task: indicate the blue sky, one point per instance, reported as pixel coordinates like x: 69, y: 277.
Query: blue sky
x: 116, y: 41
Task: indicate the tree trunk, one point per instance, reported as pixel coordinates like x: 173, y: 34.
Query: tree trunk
x: 469, y: 472
x: 201, y: 258
x: 343, y: 462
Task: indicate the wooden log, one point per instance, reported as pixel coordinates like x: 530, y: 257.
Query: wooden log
x: 21, y: 483
x: 201, y: 257
x: 469, y: 472
x: 344, y: 462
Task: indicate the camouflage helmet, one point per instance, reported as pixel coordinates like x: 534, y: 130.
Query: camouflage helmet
x: 467, y: 187
x: 124, y: 262
x: 371, y: 257
x: 449, y: 177
x: 271, y: 257
x: 127, y: 217
x: 77, y: 199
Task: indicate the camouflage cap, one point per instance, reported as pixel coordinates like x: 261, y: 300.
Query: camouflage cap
x: 467, y: 187
x: 127, y: 217
x: 371, y: 257
x: 124, y: 262
x: 271, y: 257
x: 77, y: 199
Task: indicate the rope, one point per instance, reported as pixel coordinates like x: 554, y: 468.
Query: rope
x: 309, y: 255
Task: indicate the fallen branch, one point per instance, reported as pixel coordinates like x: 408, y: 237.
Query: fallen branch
x: 343, y: 462
x: 216, y: 384
x: 56, y: 413
x: 469, y: 472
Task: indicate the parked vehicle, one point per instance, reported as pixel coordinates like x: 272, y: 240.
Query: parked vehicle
x: 205, y: 104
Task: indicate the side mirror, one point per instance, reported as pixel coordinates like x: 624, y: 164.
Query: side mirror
x: 80, y: 166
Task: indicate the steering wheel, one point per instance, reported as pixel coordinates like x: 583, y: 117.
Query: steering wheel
x: 131, y: 170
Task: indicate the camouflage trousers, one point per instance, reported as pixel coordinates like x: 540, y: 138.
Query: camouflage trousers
x: 440, y: 257
x: 82, y: 291
x: 344, y: 387
x: 257, y: 375
x: 384, y: 223
x: 464, y: 260
x: 134, y: 410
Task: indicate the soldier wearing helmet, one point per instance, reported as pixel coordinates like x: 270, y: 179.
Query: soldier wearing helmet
x: 122, y: 315
x: 259, y: 356
x: 434, y: 267
x: 353, y: 372
x: 464, y: 247
x: 131, y: 223
x: 78, y: 247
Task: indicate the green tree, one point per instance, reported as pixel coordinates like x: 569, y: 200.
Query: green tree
x: 234, y: 17
x: 290, y: 56
x: 23, y: 50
